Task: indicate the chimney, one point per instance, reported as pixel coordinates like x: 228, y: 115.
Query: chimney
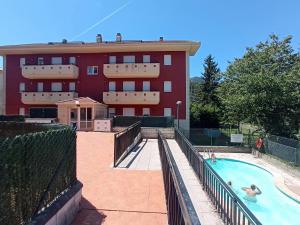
x: 99, y: 38
x: 118, y: 37
x: 161, y: 38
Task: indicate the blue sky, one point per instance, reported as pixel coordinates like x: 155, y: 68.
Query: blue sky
x: 224, y: 27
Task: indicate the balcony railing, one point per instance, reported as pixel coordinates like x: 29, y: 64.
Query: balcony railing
x: 50, y: 71
x: 134, y: 70
x: 131, y: 98
x: 46, y: 98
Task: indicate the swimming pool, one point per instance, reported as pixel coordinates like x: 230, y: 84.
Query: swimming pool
x: 272, y: 206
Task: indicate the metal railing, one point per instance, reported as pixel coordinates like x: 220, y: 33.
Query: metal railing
x: 125, y: 140
x: 180, y: 208
x: 231, y: 209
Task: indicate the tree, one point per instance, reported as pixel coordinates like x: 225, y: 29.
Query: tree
x: 211, y: 77
x: 263, y: 88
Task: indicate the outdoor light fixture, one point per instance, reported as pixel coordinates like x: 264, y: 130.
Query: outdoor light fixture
x: 77, y: 103
x: 178, y: 103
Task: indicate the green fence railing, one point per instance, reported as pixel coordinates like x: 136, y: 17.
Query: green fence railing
x: 37, y: 163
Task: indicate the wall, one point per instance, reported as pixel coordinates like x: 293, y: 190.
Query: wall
x: 93, y: 86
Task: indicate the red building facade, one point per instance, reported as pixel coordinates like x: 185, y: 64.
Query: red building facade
x: 132, y: 78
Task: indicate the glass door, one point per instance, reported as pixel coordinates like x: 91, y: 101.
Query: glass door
x: 73, y: 117
x: 86, y: 118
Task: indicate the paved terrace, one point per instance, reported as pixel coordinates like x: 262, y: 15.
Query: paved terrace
x: 116, y: 196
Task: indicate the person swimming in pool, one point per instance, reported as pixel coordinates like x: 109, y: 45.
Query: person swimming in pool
x: 213, y: 158
x: 251, y: 192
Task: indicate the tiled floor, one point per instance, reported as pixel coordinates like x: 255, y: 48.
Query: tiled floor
x: 115, y: 196
x: 145, y: 156
x: 202, y: 204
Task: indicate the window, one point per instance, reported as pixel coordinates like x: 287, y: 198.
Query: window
x: 146, y: 58
x: 112, y: 86
x: 167, y: 112
x: 56, y: 86
x: 111, y: 112
x: 167, y: 86
x: 146, y: 85
x: 112, y: 59
x: 22, y: 62
x: 92, y: 70
x: 21, y: 111
x: 146, y: 111
x: 128, y: 112
x: 128, y: 86
x: 72, y: 60
x: 22, y: 87
x: 56, y: 60
x: 167, y: 60
x: 40, y: 86
x: 129, y: 59
x: 40, y: 61
x: 72, y: 86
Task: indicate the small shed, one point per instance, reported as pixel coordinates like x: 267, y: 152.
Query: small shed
x: 80, y: 112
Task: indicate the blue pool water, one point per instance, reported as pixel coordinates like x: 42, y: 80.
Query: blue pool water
x: 272, y: 206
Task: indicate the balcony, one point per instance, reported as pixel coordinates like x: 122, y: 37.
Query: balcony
x: 131, y: 98
x: 50, y: 71
x: 134, y: 70
x: 46, y: 98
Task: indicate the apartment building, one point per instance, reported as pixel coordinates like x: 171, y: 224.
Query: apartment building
x: 133, y: 78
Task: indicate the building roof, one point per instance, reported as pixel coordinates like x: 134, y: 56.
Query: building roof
x: 93, y: 47
x: 81, y: 101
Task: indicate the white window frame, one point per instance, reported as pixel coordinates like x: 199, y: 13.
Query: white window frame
x: 128, y: 85
x: 72, y: 60
x: 146, y: 111
x: 146, y: 86
x: 22, y: 87
x: 112, y: 86
x: 72, y: 86
x: 112, y: 59
x: 130, y: 109
x: 167, y: 60
x: 56, y: 60
x: 56, y: 86
x: 22, y: 61
x: 167, y: 111
x: 128, y: 59
x: 146, y: 58
x: 22, y: 111
x: 92, y: 70
x: 111, y: 112
x: 40, y: 61
x: 167, y: 86
x: 40, y: 87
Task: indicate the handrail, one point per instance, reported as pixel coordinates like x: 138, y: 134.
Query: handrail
x: 228, y: 204
x: 125, y: 140
x: 182, y: 199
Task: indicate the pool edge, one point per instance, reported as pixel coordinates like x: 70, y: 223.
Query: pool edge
x: 278, y: 180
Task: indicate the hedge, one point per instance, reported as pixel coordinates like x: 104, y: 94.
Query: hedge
x: 146, y: 121
x: 37, y: 163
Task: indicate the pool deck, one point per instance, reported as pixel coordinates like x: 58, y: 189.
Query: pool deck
x: 116, y: 196
x: 285, y: 180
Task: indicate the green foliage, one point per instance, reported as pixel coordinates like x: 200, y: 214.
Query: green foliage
x: 204, y: 116
x: 211, y: 77
x: 263, y: 88
x: 204, y: 99
x: 28, y: 162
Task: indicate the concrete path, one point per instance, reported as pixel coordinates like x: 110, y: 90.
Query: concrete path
x: 145, y: 156
x: 115, y: 196
x: 202, y: 204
